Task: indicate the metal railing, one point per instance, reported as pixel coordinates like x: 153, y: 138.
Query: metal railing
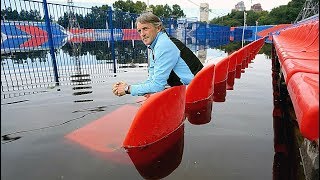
x: 43, y: 43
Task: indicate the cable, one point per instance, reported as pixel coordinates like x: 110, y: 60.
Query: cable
x: 193, y: 3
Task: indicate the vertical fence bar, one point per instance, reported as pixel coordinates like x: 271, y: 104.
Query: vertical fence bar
x: 206, y: 37
x: 170, y: 25
x: 185, y: 31
x: 50, y: 40
x: 112, y: 39
x: 196, y: 34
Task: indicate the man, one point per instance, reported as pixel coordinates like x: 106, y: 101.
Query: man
x: 171, y: 62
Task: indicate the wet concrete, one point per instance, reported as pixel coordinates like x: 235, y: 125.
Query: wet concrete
x: 237, y: 143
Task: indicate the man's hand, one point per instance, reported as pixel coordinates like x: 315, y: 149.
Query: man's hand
x: 119, y: 88
x: 115, y: 87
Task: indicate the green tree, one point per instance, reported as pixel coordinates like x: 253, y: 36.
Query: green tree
x: 162, y: 10
x: 177, y: 11
x: 235, y: 18
x: 96, y: 19
x: 8, y: 14
x: 286, y: 13
x: 32, y: 15
x: 139, y: 7
x: 63, y: 21
x: 279, y: 15
x: 129, y: 6
x: 252, y: 17
x: 263, y: 18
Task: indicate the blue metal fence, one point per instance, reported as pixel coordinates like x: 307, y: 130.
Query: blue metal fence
x: 46, y: 43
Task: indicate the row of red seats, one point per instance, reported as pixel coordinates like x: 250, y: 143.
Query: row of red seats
x: 158, y: 124
x: 297, y: 49
x: 165, y: 111
x: 214, y: 79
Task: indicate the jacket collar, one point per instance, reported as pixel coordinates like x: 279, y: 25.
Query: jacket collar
x: 154, y: 42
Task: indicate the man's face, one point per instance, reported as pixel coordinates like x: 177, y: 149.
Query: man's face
x: 147, y: 32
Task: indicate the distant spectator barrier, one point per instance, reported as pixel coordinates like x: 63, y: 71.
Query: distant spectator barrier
x: 85, y: 42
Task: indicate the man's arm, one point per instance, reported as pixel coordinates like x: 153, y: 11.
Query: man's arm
x: 166, y: 57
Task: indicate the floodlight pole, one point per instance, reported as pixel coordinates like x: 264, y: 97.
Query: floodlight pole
x: 244, y: 25
x: 255, y: 38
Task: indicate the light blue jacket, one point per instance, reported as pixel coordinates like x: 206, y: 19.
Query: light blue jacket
x: 164, y: 57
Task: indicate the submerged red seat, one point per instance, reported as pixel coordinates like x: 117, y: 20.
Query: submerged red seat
x: 199, y: 94
x: 299, y: 35
x: 232, y: 62
x: 201, y: 87
x: 298, y: 55
x: 160, y: 115
x: 292, y: 66
x: 107, y: 133
x: 240, y: 57
x: 133, y: 126
x: 303, y: 89
x: 298, y: 42
x: 220, y: 80
x: 297, y: 38
x: 232, y: 70
x: 221, y: 70
x: 246, y: 56
x: 310, y: 46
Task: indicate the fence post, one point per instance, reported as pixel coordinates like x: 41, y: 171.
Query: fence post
x: 206, y: 31
x: 50, y: 41
x: 110, y: 24
x: 170, y: 25
x: 185, y: 31
x: 196, y: 35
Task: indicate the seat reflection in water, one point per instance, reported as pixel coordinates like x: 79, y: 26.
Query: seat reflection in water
x: 159, y: 159
x: 199, y: 96
x: 220, y: 92
x: 199, y: 112
x: 220, y: 80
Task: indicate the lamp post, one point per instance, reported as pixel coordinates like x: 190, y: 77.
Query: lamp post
x: 255, y: 38
x: 244, y: 25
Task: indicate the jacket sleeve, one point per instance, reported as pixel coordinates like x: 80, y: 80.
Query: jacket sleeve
x: 166, y: 57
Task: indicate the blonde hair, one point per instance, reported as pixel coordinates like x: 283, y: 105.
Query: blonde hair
x: 148, y: 17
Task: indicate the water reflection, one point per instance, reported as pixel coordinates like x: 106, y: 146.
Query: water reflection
x: 161, y: 158
x: 220, y: 91
x: 281, y: 159
x: 35, y: 66
x: 286, y: 165
x: 230, y: 80
x: 199, y: 112
x: 80, y: 80
x: 202, y: 55
x: 7, y: 139
x: 81, y: 84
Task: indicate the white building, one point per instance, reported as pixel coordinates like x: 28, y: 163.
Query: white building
x: 204, y: 12
x: 240, y: 6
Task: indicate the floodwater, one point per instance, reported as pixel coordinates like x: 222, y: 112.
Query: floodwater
x: 236, y: 143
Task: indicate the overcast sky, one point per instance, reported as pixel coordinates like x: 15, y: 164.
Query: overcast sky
x: 190, y: 7
x: 214, y: 4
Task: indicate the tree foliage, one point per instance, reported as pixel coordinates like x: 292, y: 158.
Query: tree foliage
x: 177, y: 11
x: 279, y: 15
x: 97, y: 17
x: 23, y: 15
x: 129, y: 6
x: 164, y: 11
